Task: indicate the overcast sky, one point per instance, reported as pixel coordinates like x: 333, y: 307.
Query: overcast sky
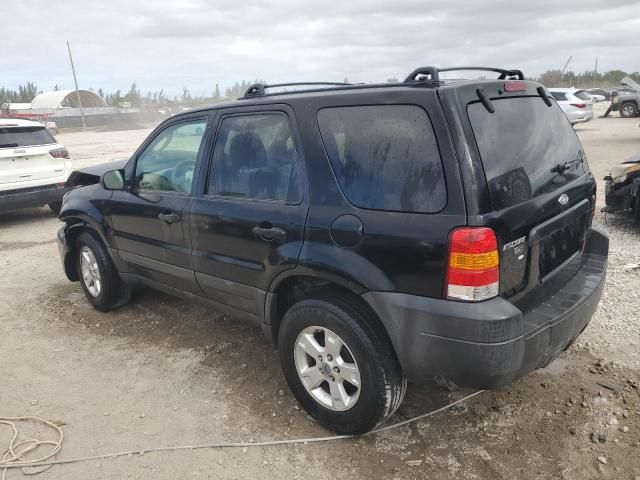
x: 198, y: 43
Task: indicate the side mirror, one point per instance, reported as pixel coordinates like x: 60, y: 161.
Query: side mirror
x: 113, y: 180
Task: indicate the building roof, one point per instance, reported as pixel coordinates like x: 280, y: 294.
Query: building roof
x: 67, y: 98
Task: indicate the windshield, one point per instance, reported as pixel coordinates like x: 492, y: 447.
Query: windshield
x: 24, y: 137
x: 527, y: 149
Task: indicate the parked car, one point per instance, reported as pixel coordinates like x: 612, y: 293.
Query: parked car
x: 33, y: 166
x: 376, y: 233
x: 596, y: 97
x: 622, y: 188
x: 577, y: 105
x: 599, y: 92
x: 627, y: 101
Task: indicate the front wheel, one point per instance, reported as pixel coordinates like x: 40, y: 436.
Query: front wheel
x: 628, y: 110
x: 339, y: 365
x: 55, y: 207
x: 99, y: 279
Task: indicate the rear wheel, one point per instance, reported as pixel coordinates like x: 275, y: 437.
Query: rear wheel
x: 628, y: 110
x: 99, y: 279
x: 56, y: 207
x: 341, y: 368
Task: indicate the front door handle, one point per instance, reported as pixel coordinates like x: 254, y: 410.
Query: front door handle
x: 169, y: 217
x: 269, y: 233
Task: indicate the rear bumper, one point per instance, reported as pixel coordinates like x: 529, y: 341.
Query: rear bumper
x: 580, y: 118
x: 30, y: 197
x: 492, y: 343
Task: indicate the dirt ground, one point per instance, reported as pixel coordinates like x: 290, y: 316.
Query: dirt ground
x: 164, y: 372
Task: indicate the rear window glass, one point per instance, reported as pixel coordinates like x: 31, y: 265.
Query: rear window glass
x: 559, y: 96
x: 527, y: 149
x: 385, y: 157
x: 583, y: 95
x: 24, y: 137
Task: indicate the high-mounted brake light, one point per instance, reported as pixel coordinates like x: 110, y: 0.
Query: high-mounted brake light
x: 513, y: 86
x: 59, y: 153
x: 473, y: 269
x: 579, y: 105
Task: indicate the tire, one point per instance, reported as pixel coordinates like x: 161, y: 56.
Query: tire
x: 111, y: 291
x: 382, y: 384
x: 55, y: 207
x: 628, y: 110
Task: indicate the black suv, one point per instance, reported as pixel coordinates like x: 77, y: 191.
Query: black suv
x: 376, y: 233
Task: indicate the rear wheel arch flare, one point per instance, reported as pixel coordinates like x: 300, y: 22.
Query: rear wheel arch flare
x: 293, y: 289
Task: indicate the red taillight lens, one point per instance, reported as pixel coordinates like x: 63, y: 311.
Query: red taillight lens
x: 578, y: 105
x: 59, y: 153
x: 473, y: 269
x: 512, y: 86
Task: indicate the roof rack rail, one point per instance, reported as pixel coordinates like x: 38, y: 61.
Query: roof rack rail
x: 433, y: 73
x: 258, y: 89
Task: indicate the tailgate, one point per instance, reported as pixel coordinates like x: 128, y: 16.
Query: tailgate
x: 29, y: 163
x: 540, y: 191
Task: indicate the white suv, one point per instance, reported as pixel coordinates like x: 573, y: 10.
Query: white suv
x: 577, y: 105
x: 34, y: 167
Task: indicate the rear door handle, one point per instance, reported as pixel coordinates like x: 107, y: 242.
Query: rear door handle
x: 169, y: 217
x: 269, y: 233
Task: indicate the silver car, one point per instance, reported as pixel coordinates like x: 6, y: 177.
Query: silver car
x: 577, y: 105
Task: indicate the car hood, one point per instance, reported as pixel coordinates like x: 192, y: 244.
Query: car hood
x: 91, y: 175
x: 629, y: 168
x: 630, y: 83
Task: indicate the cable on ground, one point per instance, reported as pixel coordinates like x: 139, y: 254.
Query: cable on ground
x: 13, y: 456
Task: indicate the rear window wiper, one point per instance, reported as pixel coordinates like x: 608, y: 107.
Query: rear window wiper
x: 562, y: 167
x: 8, y: 145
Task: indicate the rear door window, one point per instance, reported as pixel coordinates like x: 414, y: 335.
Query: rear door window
x: 255, y: 158
x: 24, y: 137
x: 385, y: 157
x: 527, y: 149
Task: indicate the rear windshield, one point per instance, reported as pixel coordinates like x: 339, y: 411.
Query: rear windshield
x: 24, y: 137
x: 527, y: 149
x: 385, y: 157
x: 582, y: 95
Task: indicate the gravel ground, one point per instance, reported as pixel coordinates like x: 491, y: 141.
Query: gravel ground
x: 163, y: 372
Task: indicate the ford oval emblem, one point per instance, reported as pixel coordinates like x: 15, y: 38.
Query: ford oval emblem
x: 563, y: 199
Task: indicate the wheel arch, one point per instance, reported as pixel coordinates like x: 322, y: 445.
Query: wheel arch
x: 304, y: 284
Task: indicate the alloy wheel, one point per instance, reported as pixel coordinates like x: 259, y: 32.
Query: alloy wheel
x: 327, y: 368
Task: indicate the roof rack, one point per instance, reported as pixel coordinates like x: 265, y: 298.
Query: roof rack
x: 258, y: 89
x: 433, y: 73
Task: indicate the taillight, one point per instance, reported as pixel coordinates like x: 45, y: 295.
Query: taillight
x: 59, y: 153
x: 473, y: 269
x: 578, y: 105
x: 512, y: 86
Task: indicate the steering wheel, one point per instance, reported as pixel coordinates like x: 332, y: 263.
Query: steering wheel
x: 182, y: 176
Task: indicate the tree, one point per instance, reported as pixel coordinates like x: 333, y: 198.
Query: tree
x: 133, y: 95
x: 216, y: 93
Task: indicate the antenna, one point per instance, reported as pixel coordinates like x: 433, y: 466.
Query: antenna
x: 75, y: 80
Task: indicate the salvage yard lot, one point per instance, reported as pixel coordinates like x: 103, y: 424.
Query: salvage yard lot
x: 162, y: 372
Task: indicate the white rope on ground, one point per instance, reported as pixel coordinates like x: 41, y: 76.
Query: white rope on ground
x: 13, y: 458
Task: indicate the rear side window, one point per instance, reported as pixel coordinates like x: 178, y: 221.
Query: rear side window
x: 24, y: 137
x: 559, y: 96
x: 527, y: 149
x: 582, y: 95
x: 385, y: 157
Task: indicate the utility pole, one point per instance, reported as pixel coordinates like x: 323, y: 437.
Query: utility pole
x: 595, y: 74
x: 75, y: 80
